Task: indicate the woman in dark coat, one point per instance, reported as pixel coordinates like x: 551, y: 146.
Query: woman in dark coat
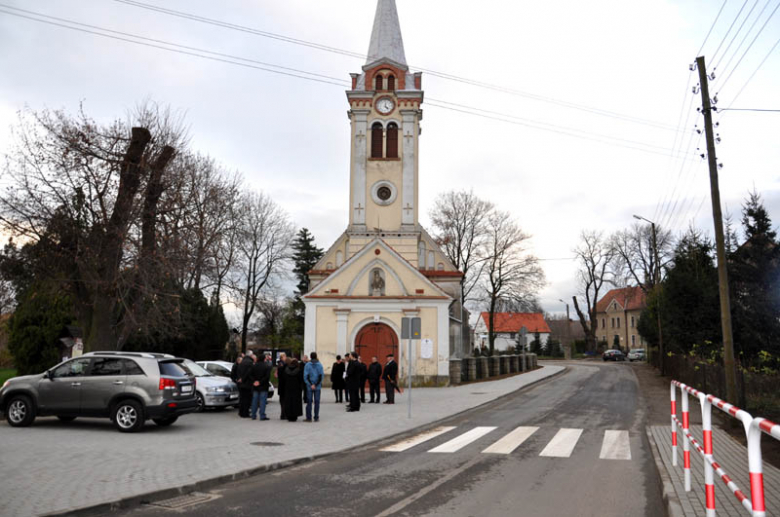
x: 293, y: 389
x: 337, y: 379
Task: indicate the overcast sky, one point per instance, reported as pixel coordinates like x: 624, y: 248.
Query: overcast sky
x: 601, y: 108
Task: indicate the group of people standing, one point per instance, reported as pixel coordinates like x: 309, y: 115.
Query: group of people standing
x: 349, y: 375
x: 300, y: 382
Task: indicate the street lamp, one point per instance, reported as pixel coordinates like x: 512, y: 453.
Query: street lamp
x: 657, y: 284
x: 567, y: 348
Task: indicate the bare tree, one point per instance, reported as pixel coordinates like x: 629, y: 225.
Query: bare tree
x: 511, y: 274
x: 635, y: 257
x: 461, y: 222
x: 263, y: 248
x: 595, y: 256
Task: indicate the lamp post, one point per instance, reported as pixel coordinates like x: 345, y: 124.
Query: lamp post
x: 567, y: 348
x: 657, y: 285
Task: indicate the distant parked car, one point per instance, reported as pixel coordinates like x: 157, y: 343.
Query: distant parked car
x: 213, y: 391
x: 127, y: 387
x: 638, y: 354
x: 219, y: 368
x: 223, y: 368
x: 613, y: 355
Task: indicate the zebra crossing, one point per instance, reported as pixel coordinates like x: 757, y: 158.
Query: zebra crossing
x: 615, y: 444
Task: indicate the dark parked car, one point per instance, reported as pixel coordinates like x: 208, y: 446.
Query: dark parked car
x: 127, y: 387
x: 613, y: 355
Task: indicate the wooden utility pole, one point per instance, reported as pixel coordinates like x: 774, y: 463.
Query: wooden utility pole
x: 723, y: 277
x: 657, y: 280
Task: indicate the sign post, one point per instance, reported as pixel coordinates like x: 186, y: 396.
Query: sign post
x: 411, y: 328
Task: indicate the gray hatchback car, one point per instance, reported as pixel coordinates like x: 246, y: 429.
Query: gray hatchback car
x: 127, y: 387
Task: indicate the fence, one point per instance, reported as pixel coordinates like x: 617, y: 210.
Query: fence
x: 754, y: 429
x: 756, y: 392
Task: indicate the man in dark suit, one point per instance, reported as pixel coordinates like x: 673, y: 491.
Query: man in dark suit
x: 374, y: 375
x: 353, y: 382
x: 363, y: 374
x: 261, y: 378
x: 390, y: 375
x: 244, y: 381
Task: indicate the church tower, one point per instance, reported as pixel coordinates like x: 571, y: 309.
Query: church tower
x: 385, y: 115
x: 385, y: 266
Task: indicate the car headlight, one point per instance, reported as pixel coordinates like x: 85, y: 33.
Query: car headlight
x: 216, y: 389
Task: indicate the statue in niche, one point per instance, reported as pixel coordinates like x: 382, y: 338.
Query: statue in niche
x: 377, y: 283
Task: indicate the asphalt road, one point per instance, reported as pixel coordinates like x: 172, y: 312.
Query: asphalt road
x: 567, y: 465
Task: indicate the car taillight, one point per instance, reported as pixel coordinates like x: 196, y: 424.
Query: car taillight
x: 167, y: 383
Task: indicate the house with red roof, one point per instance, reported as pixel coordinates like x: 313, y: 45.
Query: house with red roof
x: 617, y: 314
x: 507, y: 326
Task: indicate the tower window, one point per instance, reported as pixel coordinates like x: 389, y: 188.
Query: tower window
x: 392, y: 140
x: 376, y: 140
x: 391, y: 82
x: 378, y: 83
x: 384, y: 193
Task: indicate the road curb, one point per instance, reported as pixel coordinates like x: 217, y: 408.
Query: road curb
x: 208, y: 484
x: 673, y: 506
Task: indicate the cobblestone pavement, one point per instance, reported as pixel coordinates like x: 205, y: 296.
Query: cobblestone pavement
x: 54, y: 467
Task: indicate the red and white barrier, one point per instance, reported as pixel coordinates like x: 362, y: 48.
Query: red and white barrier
x: 754, y: 428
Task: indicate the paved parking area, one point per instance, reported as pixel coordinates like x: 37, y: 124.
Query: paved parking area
x: 53, y: 467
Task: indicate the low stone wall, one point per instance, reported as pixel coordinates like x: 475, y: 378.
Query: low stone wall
x: 470, y: 369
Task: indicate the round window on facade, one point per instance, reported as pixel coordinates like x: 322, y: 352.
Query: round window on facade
x: 384, y: 193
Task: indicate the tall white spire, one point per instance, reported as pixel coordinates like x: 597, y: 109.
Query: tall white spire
x: 386, y: 40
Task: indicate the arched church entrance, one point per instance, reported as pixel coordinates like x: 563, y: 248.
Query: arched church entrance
x: 376, y: 339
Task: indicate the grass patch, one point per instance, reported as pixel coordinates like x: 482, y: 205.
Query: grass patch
x: 5, y: 374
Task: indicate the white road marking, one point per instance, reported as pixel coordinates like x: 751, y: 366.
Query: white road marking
x: 562, y: 444
x: 512, y: 441
x: 416, y: 440
x: 463, y: 440
x: 615, y: 446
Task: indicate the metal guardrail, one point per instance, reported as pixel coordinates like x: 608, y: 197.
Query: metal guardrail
x: 754, y: 429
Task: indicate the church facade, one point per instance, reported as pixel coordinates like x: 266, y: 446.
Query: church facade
x: 385, y: 266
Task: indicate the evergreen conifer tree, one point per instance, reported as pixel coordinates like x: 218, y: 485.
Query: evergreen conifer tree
x: 306, y: 256
x: 754, y: 269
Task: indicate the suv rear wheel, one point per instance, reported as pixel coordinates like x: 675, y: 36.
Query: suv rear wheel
x: 20, y: 411
x: 128, y: 416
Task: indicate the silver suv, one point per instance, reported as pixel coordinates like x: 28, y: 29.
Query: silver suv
x: 127, y: 387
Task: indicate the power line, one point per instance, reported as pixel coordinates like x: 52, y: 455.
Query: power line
x: 442, y: 75
x: 747, y: 34
x: 698, y: 53
x: 534, y: 123
x: 750, y: 79
x: 748, y: 109
x: 669, y: 198
x: 562, y: 132
x: 736, y: 34
x: 725, y: 81
x: 245, y: 62
x: 715, y: 54
x: 173, y: 49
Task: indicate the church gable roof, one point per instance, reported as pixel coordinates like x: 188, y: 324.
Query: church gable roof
x: 386, y: 40
x: 401, y: 278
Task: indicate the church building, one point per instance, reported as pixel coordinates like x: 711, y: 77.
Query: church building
x: 385, y: 266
